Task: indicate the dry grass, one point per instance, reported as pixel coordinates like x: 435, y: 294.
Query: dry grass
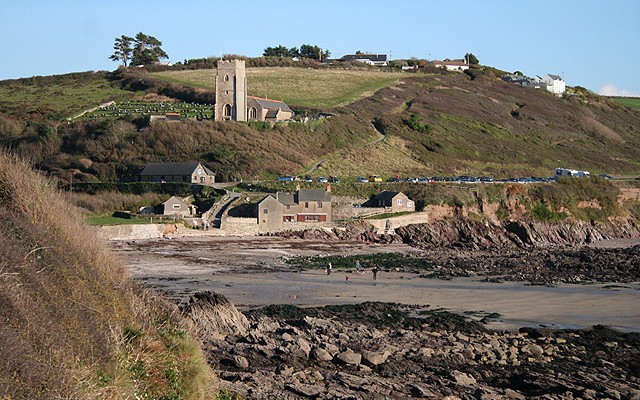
x: 317, y: 88
x: 66, y: 304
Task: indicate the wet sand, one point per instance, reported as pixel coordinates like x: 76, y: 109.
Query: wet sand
x: 252, y: 272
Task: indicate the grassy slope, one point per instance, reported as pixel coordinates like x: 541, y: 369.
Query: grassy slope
x: 62, y: 95
x: 73, y: 324
x: 316, y: 88
x: 633, y: 102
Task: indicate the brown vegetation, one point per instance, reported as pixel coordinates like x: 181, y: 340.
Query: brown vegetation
x: 73, y: 324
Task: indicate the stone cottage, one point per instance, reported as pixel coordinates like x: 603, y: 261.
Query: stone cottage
x: 189, y: 172
x: 179, y: 207
x: 396, y: 201
x: 303, y: 208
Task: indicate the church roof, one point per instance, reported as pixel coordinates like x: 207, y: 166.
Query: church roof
x: 271, y: 104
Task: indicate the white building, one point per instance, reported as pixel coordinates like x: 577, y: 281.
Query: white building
x: 451, y: 65
x: 555, y: 84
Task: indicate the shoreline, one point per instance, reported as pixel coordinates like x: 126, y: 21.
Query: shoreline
x: 252, y: 272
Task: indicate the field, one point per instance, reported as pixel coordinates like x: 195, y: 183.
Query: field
x: 61, y: 96
x: 317, y: 88
x: 633, y: 102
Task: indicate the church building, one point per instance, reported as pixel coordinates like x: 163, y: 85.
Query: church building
x: 232, y: 102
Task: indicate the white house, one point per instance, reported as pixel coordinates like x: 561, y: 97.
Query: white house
x: 555, y: 84
x: 378, y: 60
x: 451, y: 65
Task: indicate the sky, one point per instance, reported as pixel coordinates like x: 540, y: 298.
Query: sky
x: 590, y: 43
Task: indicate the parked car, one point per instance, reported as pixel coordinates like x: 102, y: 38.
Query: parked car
x: 395, y: 180
x: 308, y: 178
x: 334, y: 179
x: 322, y: 179
x: 286, y: 178
x: 375, y: 178
x: 362, y: 179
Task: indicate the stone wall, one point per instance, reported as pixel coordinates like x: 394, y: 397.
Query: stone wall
x: 133, y: 232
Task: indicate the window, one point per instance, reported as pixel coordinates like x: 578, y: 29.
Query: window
x: 409, y: 203
x: 319, y: 204
x: 265, y: 211
x: 399, y: 202
x: 226, y: 78
x: 253, y: 113
x: 312, y: 218
x: 176, y: 206
x: 226, y: 110
x: 306, y: 204
x: 288, y: 218
x: 288, y: 206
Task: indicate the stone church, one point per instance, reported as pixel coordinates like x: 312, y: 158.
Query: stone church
x: 233, y: 103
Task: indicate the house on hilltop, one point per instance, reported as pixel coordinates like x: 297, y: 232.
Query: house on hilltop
x: 378, y: 60
x: 188, y: 172
x: 555, y: 83
x: 451, y: 65
x: 285, y: 210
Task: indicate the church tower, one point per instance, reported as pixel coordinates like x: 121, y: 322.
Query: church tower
x: 231, y: 91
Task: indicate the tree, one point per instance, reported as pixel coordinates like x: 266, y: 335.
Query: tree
x: 147, y: 50
x: 315, y: 52
x: 471, y: 59
x: 123, y: 49
x: 280, y: 51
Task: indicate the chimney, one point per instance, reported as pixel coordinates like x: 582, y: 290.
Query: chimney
x: 328, y: 187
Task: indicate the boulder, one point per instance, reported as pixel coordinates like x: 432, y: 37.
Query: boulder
x: 240, y: 362
x: 321, y: 354
x: 463, y: 379
x: 374, y: 358
x: 349, y: 357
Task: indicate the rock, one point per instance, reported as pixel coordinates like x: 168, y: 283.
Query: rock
x: 420, y: 392
x: 349, y: 357
x: 240, y: 362
x: 533, y: 349
x: 321, y: 354
x: 512, y: 394
x: 343, y: 336
x: 374, y: 358
x: 463, y: 379
x: 302, y: 389
x: 305, y: 346
x: 284, y: 370
x: 331, y: 348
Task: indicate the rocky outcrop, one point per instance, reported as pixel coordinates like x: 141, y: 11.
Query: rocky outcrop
x: 382, y: 352
x: 475, y: 234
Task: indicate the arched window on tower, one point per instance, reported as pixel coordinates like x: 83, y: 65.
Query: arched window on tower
x: 253, y: 113
x: 226, y: 111
x: 226, y: 78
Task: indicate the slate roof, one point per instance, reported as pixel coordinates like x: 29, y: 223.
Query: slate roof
x: 555, y: 77
x: 313, y: 195
x: 371, y: 57
x: 271, y: 104
x: 176, y: 169
x: 386, y: 196
x: 303, y: 195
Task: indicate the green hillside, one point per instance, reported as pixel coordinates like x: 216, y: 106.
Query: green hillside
x: 419, y: 124
x: 315, y: 88
x: 633, y: 102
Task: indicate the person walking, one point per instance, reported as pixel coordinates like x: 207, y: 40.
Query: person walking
x: 329, y: 269
x: 357, y: 266
x: 375, y: 273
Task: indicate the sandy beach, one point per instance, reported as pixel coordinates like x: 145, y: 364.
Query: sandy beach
x: 252, y: 272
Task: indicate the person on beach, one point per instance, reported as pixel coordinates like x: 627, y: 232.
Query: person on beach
x: 375, y: 272
x: 329, y: 269
x: 357, y: 266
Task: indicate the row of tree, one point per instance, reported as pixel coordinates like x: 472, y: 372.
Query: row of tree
x: 139, y: 50
x: 305, y: 51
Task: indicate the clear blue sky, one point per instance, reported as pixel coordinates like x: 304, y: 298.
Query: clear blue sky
x: 591, y: 43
